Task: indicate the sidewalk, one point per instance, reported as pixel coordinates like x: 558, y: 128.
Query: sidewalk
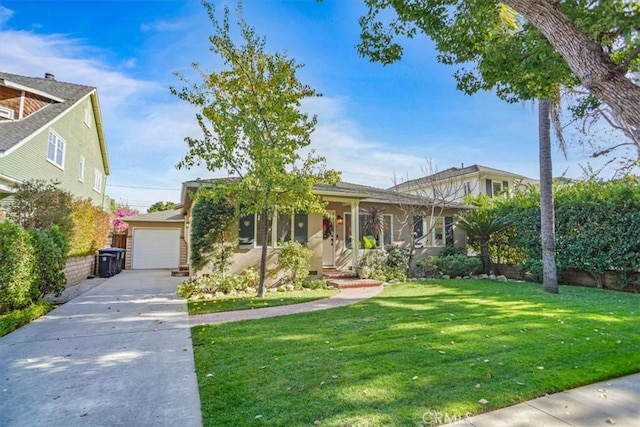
x: 613, y: 402
x: 118, y: 355
x: 345, y: 297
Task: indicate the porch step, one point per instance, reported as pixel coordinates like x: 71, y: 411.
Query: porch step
x: 332, y: 273
x: 353, y: 283
x: 182, y: 271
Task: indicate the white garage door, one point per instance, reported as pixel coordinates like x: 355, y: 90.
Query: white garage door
x: 155, y: 248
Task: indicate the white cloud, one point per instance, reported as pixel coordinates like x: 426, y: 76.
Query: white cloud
x: 5, y: 14
x: 165, y: 25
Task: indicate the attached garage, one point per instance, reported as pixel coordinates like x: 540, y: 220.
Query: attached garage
x: 155, y: 248
x: 156, y: 240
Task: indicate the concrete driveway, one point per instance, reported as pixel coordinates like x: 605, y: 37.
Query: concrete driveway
x: 118, y: 355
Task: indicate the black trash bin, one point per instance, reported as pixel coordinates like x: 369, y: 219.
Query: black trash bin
x: 118, y: 263
x: 106, y: 264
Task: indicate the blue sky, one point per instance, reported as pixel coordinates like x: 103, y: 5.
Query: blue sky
x: 373, y: 121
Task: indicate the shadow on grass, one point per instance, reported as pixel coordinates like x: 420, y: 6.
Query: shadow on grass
x: 414, y: 351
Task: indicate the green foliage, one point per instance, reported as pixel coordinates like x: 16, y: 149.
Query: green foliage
x: 294, y: 259
x: 368, y: 242
x: 253, y: 128
x: 50, y: 249
x: 161, y: 206
x: 211, y: 230
x: 17, y: 263
x: 209, y: 285
x: 38, y: 204
x: 16, y: 318
x: 315, y: 284
x: 372, y: 264
x: 597, y: 226
x: 373, y: 224
x: 91, y: 227
x: 451, y: 250
x: 458, y: 265
x: 429, y: 267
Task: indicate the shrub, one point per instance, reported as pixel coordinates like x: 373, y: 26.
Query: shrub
x: 396, y: 263
x: 17, y: 318
x: 38, y: 204
x: 50, y: 249
x: 91, y: 228
x: 429, y: 266
x: 372, y: 265
x: 211, y: 231
x: 457, y: 265
x: 294, y: 259
x: 189, y: 288
x: 451, y: 250
x: 315, y: 284
x: 16, y: 267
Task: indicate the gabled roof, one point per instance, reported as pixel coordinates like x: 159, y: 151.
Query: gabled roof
x: 453, y: 173
x: 172, y: 215
x: 63, y: 96
x: 347, y: 190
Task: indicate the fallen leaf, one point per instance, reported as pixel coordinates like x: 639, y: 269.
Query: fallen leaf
x: 334, y: 376
x: 321, y: 382
x: 84, y: 415
x: 209, y: 375
x: 483, y: 401
x: 317, y: 423
x: 541, y: 368
x: 415, y: 378
x: 610, y: 421
x: 442, y: 352
x: 519, y: 383
x: 258, y: 416
x: 478, y: 386
x: 488, y: 375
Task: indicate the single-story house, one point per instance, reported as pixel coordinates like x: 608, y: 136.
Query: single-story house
x: 161, y: 239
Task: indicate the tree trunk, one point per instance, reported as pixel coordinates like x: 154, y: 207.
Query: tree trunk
x: 586, y: 59
x: 547, y: 222
x: 484, y: 255
x: 263, y: 255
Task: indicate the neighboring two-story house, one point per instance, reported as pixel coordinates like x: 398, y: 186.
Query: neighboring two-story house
x: 51, y: 130
x: 454, y: 183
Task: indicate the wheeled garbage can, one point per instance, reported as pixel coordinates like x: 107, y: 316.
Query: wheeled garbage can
x: 105, y: 264
x: 118, y: 263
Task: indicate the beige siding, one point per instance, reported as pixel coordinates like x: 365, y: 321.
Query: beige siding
x: 29, y: 160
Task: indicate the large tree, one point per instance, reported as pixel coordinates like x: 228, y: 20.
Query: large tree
x: 253, y: 129
x: 595, y: 44
x: 161, y: 206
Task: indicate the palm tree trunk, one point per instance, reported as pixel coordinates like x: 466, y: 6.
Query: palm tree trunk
x: 547, y: 222
x: 484, y: 255
x: 263, y: 255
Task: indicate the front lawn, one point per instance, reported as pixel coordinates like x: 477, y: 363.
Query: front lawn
x: 12, y: 320
x: 271, y: 299
x: 416, y: 354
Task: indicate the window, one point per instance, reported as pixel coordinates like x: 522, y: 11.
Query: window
x: 97, y: 180
x: 467, y: 188
x: 6, y: 113
x: 81, y: 169
x: 55, y: 152
x: 497, y: 188
x: 87, y: 114
x: 283, y: 228
x: 347, y: 229
x: 429, y: 234
x: 387, y: 230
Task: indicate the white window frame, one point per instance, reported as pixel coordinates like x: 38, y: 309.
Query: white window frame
x: 87, y: 114
x: 97, y: 180
x: 494, y: 185
x: 81, y: 169
x: 6, y: 113
x: 274, y: 231
x: 428, y: 240
x: 59, y: 144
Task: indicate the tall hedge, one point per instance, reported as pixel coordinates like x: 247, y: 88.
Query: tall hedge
x: 17, y: 262
x: 50, y: 249
x: 597, y: 226
x: 91, y: 228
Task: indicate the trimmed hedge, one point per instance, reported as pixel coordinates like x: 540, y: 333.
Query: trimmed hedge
x: 17, y: 263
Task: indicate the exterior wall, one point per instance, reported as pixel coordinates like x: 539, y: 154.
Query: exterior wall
x: 78, y: 268
x: 160, y: 224
x: 29, y: 160
x: 401, y: 233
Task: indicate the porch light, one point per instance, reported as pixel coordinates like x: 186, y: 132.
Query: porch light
x: 339, y: 220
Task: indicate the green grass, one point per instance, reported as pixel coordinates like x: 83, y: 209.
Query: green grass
x: 415, y: 354
x: 12, y: 320
x: 271, y: 299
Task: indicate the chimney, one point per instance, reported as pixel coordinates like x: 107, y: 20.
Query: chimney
x: 49, y: 76
x: 462, y: 165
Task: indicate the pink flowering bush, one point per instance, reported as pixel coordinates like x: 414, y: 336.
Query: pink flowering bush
x: 119, y: 226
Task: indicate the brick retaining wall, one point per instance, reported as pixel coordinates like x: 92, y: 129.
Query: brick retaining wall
x: 78, y: 268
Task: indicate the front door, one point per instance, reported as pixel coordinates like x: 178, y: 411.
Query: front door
x: 328, y: 239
